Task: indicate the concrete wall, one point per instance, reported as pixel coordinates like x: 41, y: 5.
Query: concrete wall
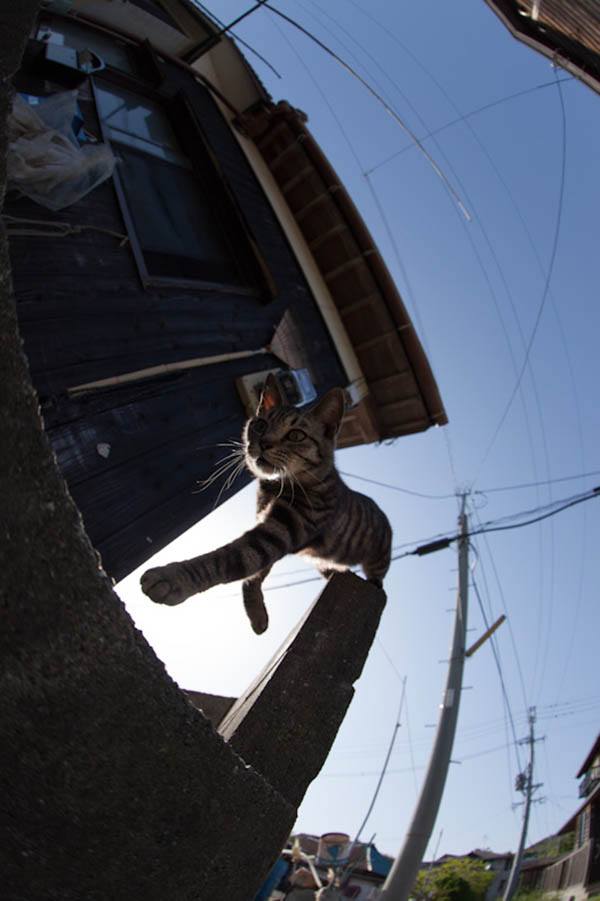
x: 112, y: 785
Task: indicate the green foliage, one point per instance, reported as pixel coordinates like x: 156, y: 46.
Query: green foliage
x: 462, y: 879
x: 529, y: 895
x: 567, y: 843
x: 553, y: 846
x: 536, y: 895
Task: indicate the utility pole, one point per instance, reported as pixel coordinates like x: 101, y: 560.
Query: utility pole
x: 526, y: 785
x: 401, y: 878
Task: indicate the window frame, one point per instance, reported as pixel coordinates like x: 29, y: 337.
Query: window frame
x: 262, y: 286
x: 142, y: 57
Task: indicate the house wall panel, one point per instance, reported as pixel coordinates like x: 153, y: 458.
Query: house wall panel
x: 85, y: 315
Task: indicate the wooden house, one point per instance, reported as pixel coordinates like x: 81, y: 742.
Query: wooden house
x: 566, y: 31
x: 222, y: 218
x: 576, y: 875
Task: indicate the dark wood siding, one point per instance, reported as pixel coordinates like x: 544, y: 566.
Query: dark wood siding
x: 133, y: 455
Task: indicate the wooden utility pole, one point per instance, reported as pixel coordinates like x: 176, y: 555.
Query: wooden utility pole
x: 401, y: 878
x: 526, y: 785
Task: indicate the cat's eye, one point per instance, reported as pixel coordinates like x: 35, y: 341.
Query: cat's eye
x: 259, y: 426
x: 296, y: 435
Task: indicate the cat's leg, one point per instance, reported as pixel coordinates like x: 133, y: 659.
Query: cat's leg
x: 376, y: 569
x: 248, y: 555
x: 254, y: 603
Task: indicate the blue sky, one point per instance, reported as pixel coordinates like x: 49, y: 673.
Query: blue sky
x: 474, y: 290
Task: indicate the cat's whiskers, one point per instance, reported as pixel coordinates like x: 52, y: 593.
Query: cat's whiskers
x: 222, y: 468
x: 231, y: 443
x: 229, y: 482
x: 226, y: 463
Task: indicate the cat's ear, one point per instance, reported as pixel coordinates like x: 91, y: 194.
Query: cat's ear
x: 330, y: 411
x: 270, y: 396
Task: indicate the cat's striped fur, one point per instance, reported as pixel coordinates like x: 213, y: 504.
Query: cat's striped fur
x: 303, y: 507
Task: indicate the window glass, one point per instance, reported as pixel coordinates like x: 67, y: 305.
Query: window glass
x: 176, y: 228
x: 184, y: 226
x: 139, y: 122
x: 71, y: 34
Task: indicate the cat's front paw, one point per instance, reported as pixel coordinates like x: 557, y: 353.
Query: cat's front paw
x: 167, y: 584
x: 255, y: 607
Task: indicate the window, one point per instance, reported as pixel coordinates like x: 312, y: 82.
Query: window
x: 66, y: 33
x: 184, y: 229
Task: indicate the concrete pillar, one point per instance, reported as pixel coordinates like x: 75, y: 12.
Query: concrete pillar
x: 285, y: 723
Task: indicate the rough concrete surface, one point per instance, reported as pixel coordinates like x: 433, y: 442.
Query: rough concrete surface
x: 301, y: 699
x: 112, y: 786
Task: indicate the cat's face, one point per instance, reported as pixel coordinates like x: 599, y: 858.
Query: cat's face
x: 288, y: 442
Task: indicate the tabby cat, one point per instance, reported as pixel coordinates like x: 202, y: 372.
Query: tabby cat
x: 303, y: 507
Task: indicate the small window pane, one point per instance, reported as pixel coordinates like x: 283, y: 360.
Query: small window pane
x: 178, y: 231
x: 139, y: 122
x: 71, y: 34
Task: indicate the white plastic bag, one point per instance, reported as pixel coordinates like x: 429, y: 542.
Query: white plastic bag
x: 45, y: 161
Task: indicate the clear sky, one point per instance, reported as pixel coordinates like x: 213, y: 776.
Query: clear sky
x: 474, y: 290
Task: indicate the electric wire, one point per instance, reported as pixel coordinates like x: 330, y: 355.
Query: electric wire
x: 395, y: 730
x: 410, y: 748
x: 550, y: 271
x: 505, y: 610
x: 440, y: 497
x: 521, y: 485
x: 466, y: 116
x: 511, y: 781
x: 480, y: 491
x: 240, y: 40
x: 503, y: 688
x: 421, y: 766
x: 390, y: 110
x: 485, y: 729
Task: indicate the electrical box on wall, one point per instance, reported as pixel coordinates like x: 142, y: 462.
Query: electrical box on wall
x: 294, y: 387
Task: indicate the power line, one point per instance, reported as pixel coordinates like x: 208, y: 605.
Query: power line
x: 529, y: 522
x: 240, y: 40
x: 505, y: 608
x: 548, y: 276
x: 461, y: 757
x: 480, y: 491
x: 487, y: 728
x: 582, y: 475
x: 500, y: 673
x: 466, y: 116
x: 352, y: 475
x: 397, y: 725
x: 389, y: 109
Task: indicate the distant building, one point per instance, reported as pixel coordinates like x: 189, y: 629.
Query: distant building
x: 566, y: 31
x: 498, y: 864
x: 576, y: 874
x: 222, y: 220
x: 362, y: 873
